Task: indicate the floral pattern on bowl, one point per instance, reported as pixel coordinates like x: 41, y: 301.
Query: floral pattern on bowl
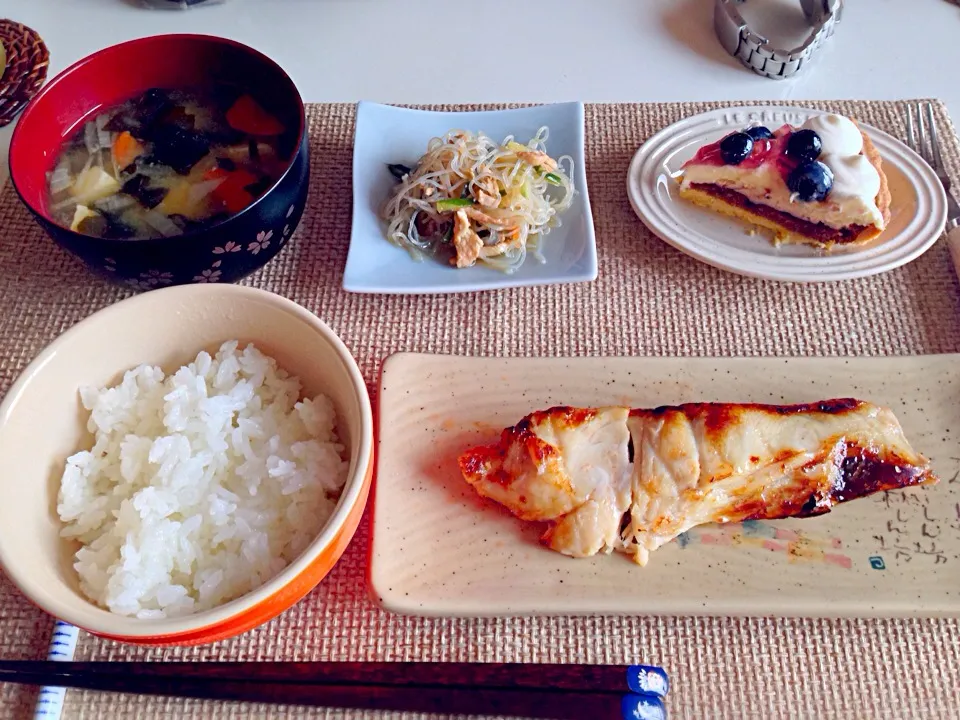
x: 219, y: 255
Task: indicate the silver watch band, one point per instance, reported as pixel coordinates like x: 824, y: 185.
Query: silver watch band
x: 754, y: 51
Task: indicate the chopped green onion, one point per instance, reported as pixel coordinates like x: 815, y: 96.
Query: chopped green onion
x: 453, y: 204
x: 553, y: 179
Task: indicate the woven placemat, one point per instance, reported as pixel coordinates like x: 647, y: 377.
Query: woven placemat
x: 649, y: 300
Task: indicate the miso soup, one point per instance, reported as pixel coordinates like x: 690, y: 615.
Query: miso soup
x: 165, y: 163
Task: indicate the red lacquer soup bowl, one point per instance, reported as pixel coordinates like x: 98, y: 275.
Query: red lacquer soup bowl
x: 221, y: 251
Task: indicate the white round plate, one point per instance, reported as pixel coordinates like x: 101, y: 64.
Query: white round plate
x: 918, y: 208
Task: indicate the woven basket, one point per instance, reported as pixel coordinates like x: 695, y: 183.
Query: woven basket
x: 26, y: 69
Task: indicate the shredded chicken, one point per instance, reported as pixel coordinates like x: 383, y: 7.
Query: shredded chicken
x: 486, y: 192
x: 535, y: 157
x: 467, y: 243
x: 483, y: 218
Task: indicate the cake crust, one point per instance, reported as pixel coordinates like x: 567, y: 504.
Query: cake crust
x: 884, y: 198
x: 786, y: 227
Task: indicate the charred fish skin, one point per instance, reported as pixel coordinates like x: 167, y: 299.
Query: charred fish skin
x: 632, y: 480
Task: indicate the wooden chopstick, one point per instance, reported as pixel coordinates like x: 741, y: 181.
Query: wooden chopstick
x: 537, y: 691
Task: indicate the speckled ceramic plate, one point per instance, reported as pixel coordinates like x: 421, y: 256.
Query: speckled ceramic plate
x: 438, y: 549
x: 918, y: 207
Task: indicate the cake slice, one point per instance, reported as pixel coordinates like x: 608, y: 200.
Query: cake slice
x: 821, y: 183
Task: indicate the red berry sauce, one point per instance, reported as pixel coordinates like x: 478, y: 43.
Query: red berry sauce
x: 771, y: 150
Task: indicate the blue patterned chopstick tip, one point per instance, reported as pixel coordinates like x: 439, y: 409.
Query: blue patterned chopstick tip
x: 642, y: 707
x: 648, y: 680
x: 62, y: 645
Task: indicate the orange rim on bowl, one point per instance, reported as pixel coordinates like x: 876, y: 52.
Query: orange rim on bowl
x: 97, y: 350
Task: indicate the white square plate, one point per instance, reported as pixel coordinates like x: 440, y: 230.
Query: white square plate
x: 387, y: 134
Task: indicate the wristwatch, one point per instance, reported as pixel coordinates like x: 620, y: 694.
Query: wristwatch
x: 755, y: 51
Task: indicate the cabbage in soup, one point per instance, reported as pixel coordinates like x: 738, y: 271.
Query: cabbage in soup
x: 165, y: 163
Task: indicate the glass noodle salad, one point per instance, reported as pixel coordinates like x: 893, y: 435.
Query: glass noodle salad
x: 471, y: 200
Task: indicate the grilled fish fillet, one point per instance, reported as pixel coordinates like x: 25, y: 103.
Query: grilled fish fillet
x: 632, y: 480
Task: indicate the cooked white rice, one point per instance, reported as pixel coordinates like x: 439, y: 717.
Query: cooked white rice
x: 201, y: 485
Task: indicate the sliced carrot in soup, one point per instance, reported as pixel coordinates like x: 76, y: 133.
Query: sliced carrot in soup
x: 126, y: 149
x: 247, y: 116
x: 232, y: 192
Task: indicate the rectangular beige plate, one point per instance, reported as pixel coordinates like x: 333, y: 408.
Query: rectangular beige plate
x: 438, y: 549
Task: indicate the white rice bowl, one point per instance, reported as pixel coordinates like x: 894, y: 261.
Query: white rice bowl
x: 201, y: 485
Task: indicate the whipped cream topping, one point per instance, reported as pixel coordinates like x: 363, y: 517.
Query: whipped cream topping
x: 853, y: 176
x: 855, y: 179
x: 856, y: 182
x: 839, y: 135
